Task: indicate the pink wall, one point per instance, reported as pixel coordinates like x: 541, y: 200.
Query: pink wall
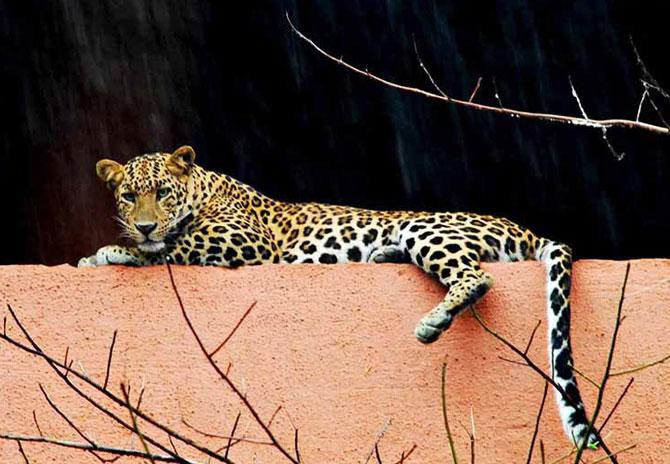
x: 333, y: 345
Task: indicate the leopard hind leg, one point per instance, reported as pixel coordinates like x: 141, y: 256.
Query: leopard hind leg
x: 465, y: 288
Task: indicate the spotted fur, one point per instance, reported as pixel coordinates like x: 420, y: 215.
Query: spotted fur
x: 175, y: 210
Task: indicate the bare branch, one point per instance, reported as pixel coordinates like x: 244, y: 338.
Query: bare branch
x: 600, y: 123
x: 454, y: 457
x: 616, y: 453
x: 255, y: 441
x: 641, y: 367
x: 109, y: 360
x: 474, y: 92
x: 585, y: 377
x: 380, y: 435
x: 274, y: 414
x: 537, y: 420
x: 174, y: 447
x: 223, y: 375
x: 232, y: 332
x: 616, y: 405
x: 295, y: 445
x: 512, y: 361
x: 647, y: 79
x: 532, y: 335
x: 617, y: 155
x: 89, y: 447
x: 37, y: 423
x: 136, y: 427
x: 406, y: 454
x: 377, y: 455
x: 140, y: 396
x: 639, y: 107
x: 23, y: 453
x: 425, y: 70
x: 472, y: 436
x: 232, y: 434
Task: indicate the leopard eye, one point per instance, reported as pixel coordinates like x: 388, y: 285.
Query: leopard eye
x: 129, y: 197
x: 162, y: 193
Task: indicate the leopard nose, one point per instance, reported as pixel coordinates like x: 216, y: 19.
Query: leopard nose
x: 146, y: 227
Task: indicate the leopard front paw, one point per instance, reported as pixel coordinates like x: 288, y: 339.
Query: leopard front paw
x: 87, y: 261
x: 111, y: 254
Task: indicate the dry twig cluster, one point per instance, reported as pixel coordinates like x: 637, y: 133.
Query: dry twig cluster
x: 649, y: 84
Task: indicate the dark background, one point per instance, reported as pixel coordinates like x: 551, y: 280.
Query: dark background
x: 82, y: 80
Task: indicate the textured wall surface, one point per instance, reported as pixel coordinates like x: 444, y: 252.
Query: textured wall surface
x: 333, y: 346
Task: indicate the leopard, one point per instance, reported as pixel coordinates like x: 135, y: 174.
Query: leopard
x: 175, y: 211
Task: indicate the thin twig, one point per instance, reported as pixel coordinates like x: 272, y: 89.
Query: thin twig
x: 537, y: 423
x: 37, y: 423
x: 542, y: 457
x: 472, y: 436
x: 606, y: 374
x: 232, y: 433
x: 88, y: 447
x: 109, y: 360
x: 454, y: 457
x: 616, y: 405
x: 136, y: 426
x: 295, y: 445
x: 639, y: 107
x: 223, y: 375
x: 602, y: 123
x: 647, y: 78
x: 474, y: 92
x: 640, y: 367
x: 232, y: 332
x: 532, y: 335
x: 616, y: 453
x: 616, y: 154
x: 406, y: 454
x: 274, y: 414
x: 23, y: 453
x: 425, y: 70
x: 255, y: 441
x: 174, y: 447
x: 585, y: 377
x: 140, y: 396
x: 377, y: 455
x: 512, y: 361
x: 380, y: 435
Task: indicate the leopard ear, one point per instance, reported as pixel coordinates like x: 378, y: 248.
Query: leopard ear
x: 110, y: 172
x: 181, y: 161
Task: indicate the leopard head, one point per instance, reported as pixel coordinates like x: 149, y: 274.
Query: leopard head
x: 152, y: 194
